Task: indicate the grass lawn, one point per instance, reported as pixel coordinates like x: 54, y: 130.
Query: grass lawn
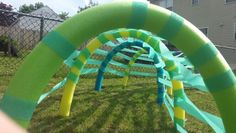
x: 115, y: 109
x: 9, y: 65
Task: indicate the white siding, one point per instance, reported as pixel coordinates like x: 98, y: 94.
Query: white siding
x: 219, y: 17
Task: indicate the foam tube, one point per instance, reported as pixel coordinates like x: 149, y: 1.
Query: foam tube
x: 25, y: 88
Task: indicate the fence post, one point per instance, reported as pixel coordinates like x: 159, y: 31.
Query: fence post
x: 41, y: 28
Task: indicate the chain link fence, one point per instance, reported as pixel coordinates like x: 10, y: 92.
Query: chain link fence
x: 20, y: 33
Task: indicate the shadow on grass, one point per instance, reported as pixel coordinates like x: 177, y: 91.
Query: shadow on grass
x: 104, y: 111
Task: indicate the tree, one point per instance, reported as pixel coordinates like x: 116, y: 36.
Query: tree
x: 64, y: 15
x: 91, y: 4
x: 29, y: 8
x: 6, y: 6
x: 38, y: 5
x: 26, y: 8
x: 7, y: 18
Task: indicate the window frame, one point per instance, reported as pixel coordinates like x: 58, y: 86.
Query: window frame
x: 194, y: 4
x: 234, y: 33
x: 204, y: 28
x: 229, y: 2
x: 165, y: 2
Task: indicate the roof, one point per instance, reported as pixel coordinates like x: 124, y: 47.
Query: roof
x: 32, y: 23
x: 45, y: 11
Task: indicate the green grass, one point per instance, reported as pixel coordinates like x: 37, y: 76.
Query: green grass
x: 9, y: 65
x: 115, y: 109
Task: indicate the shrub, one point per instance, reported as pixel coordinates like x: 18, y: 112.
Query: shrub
x: 7, y: 40
x: 8, y: 45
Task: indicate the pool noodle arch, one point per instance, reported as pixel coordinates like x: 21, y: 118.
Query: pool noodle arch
x: 130, y: 63
x: 109, y: 57
x: 59, y: 43
x: 105, y: 37
x: 114, y: 51
x: 117, y: 49
x: 179, y: 117
x: 73, y: 76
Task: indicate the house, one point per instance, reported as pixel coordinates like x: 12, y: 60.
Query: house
x: 215, y: 18
x: 30, y: 28
x: 34, y: 23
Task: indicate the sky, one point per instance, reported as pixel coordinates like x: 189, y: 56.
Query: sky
x: 58, y: 6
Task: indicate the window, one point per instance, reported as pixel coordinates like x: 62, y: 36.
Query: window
x: 195, y: 2
x: 228, y: 1
x: 166, y: 4
x: 235, y: 31
x: 204, y: 30
x: 170, y: 8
